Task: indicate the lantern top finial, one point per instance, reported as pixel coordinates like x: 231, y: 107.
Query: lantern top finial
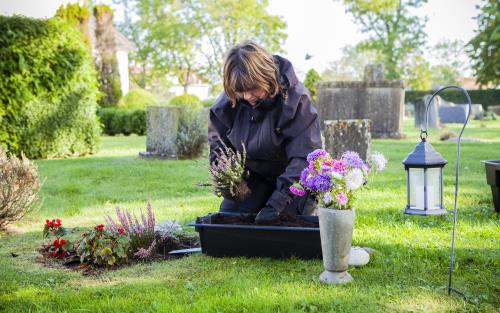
x: 424, y: 155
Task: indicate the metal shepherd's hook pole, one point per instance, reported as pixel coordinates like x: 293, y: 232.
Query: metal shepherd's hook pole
x: 457, y: 170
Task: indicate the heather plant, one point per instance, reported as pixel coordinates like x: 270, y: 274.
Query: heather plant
x: 228, y: 173
x: 19, y: 187
x: 104, y: 247
x: 140, y: 232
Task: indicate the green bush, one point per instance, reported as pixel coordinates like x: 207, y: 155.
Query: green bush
x: 192, y: 133
x: 208, y: 102
x: 186, y: 100
x: 119, y: 121
x: 137, y: 99
x: 485, y: 97
x: 48, y: 89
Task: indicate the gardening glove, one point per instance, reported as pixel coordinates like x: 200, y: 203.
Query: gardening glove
x: 267, y: 214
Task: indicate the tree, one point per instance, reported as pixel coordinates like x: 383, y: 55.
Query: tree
x: 312, y: 79
x: 394, y: 33
x: 485, y: 46
x: 180, y: 39
x: 418, y: 73
x: 350, y: 67
x: 451, y: 61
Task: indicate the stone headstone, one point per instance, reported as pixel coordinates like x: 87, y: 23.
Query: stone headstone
x: 374, y: 72
x: 347, y: 135
x: 380, y: 101
x: 494, y: 109
x: 453, y: 114
x: 162, y: 128
x: 433, y: 114
x: 477, y: 111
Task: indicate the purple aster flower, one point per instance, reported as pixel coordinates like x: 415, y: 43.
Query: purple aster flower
x: 320, y: 183
x: 325, y: 169
x: 296, y: 191
x: 303, y: 176
x: 341, y: 198
x: 327, y: 198
x: 352, y: 159
x: 315, y: 154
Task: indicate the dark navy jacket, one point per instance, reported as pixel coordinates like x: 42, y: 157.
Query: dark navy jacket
x: 278, y: 134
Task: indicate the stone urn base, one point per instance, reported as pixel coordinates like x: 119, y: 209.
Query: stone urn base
x: 335, y: 227
x: 329, y: 277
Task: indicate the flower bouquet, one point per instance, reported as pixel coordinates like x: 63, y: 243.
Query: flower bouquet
x: 334, y: 183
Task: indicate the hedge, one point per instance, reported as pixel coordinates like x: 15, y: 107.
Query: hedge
x: 48, y: 89
x: 485, y: 97
x: 121, y: 121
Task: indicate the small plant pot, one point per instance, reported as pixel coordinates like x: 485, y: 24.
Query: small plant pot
x: 336, y: 227
x: 493, y: 179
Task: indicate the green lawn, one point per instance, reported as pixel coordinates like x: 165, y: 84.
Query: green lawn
x: 407, y: 274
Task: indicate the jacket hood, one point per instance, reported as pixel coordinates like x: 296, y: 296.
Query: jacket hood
x: 286, y: 71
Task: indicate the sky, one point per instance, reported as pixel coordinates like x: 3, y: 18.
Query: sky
x: 320, y: 28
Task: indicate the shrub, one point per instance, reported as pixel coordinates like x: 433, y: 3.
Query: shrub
x: 485, y: 97
x: 19, y: 187
x: 103, y: 247
x: 192, y: 133
x: 48, y: 89
x: 186, y: 100
x: 117, y: 121
x: 141, y: 233
x: 446, y: 134
x: 208, y: 102
x: 137, y: 99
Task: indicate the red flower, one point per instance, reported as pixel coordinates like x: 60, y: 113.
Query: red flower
x: 48, y: 223
x: 57, y: 244
x: 100, y: 227
x: 53, y: 254
x: 120, y: 230
x: 62, y: 242
x: 58, y: 222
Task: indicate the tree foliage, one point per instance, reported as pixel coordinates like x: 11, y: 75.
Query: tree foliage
x: 394, y: 32
x: 485, y: 46
x: 312, y: 79
x: 350, y: 67
x: 183, y: 39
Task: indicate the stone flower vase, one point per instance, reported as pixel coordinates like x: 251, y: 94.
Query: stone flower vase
x: 335, y: 227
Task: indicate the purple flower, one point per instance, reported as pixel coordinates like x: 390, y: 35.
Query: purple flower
x: 315, y: 154
x: 303, y: 176
x: 352, y: 159
x: 327, y: 198
x: 297, y: 191
x: 319, y: 183
x: 325, y: 169
x: 341, y: 198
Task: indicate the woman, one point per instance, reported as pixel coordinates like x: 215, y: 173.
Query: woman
x: 267, y: 109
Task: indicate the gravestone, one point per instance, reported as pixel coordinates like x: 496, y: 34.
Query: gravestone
x: 433, y: 117
x: 162, y: 128
x: 477, y: 111
x: 494, y: 109
x: 347, y: 135
x: 453, y: 113
x: 382, y: 101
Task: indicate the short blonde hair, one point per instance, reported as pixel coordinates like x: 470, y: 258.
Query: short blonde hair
x: 248, y: 66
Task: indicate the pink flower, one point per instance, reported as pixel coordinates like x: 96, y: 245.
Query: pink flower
x: 341, y: 198
x: 296, y: 191
x: 339, y: 167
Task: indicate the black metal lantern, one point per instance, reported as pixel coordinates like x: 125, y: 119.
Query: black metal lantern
x: 424, y: 179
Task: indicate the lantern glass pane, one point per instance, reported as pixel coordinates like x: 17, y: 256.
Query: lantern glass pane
x: 434, y: 187
x: 416, y: 186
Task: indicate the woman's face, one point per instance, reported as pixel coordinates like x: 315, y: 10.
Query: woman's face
x: 252, y: 96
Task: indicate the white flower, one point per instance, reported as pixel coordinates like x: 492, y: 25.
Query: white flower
x: 354, y: 179
x: 378, y: 161
x: 336, y: 175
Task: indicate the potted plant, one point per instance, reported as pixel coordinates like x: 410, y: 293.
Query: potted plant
x: 334, y: 184
x: 493, y: 179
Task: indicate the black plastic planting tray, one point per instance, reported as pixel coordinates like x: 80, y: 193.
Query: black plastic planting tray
x: 258, y: 241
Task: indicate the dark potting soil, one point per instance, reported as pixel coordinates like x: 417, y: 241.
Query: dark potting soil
x: 284, y: 219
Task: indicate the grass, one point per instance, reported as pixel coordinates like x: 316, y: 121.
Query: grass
x: 407, y: 274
